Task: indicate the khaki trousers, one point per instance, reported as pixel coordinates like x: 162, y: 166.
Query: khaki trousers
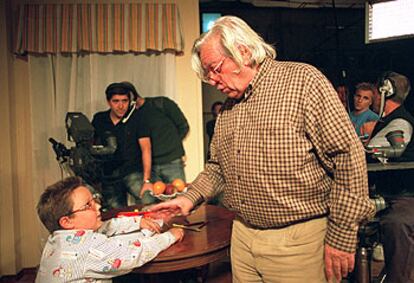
x: 294, y: 254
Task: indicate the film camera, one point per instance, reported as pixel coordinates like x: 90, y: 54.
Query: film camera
x: 85, y: 158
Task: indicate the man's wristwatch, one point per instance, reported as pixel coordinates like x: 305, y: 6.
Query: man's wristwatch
x: 147, y: 181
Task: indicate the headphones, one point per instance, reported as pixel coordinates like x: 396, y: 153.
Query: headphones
x: 132, y: 89
x: 386, y: 88
x: 386, y: 85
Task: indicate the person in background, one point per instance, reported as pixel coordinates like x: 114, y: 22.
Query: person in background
x: 376, y: 103
x: 130, y: 166
x: 343, y: 94
x: 82, y: 247
x: 287, y: 158
x: 363, y: 99
x: 164, y: 123
x: 396, y: 186
x: 215, y: 110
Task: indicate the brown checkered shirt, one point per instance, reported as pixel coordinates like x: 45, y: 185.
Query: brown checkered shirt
x: 287, y: 152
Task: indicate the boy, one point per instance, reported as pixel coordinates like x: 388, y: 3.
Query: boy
x: 83, y: 248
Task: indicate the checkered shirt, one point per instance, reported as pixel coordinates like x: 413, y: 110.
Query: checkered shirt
x: 287, y: 152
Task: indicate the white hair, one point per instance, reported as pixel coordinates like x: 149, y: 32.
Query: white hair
x: 233, y: 33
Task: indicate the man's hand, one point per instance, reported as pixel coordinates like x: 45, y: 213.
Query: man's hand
x: 184, y: 160
x: 171, y: 208
x: 338, y: 263
x: 145, y: 187
x: 148, y: 223
x: 366, y: 129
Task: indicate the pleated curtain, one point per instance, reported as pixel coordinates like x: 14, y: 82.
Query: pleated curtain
x: 98, y: 28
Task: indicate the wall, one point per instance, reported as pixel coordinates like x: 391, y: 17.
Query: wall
x: 20, y: 230
x: 17, y: 220
x: 7, y: 235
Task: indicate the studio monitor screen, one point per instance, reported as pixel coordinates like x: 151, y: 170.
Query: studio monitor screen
x: 388, y: 20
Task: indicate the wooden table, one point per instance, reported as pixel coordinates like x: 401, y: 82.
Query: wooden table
x: 197, y: 249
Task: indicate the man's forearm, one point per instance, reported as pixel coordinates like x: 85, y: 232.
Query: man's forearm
x: 145, y: 144
x: 146, y: 165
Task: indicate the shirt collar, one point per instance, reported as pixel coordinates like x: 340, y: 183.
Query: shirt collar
x: 264, y: 67
x: 258, y: 78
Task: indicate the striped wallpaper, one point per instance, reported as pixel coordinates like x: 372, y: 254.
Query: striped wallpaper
x: 102, y: 28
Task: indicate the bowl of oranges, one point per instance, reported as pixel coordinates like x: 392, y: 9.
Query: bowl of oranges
x: 163, y: 191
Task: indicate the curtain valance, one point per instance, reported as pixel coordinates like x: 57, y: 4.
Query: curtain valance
x: 102, y: 28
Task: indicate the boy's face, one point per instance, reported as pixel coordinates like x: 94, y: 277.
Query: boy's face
x: 85, y: 212
x: 363, y: 99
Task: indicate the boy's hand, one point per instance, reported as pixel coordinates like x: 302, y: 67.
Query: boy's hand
x: 178, y: 233
x: 148, y: 223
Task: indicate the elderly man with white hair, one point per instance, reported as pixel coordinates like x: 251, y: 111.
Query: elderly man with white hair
x: 286, y: 157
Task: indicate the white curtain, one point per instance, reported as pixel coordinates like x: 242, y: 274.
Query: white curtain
x: 74, y: 83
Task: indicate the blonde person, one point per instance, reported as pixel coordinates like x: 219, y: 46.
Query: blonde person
x: 363, y: 99
x: 82, y: 247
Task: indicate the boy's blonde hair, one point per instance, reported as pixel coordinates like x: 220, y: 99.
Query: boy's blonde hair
x: 56, y: 202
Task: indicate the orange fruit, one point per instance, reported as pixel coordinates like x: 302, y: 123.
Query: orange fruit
x: 179, y: 184
x: 158, y: 188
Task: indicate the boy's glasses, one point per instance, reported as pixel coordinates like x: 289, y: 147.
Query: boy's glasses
x: 89, y: 205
